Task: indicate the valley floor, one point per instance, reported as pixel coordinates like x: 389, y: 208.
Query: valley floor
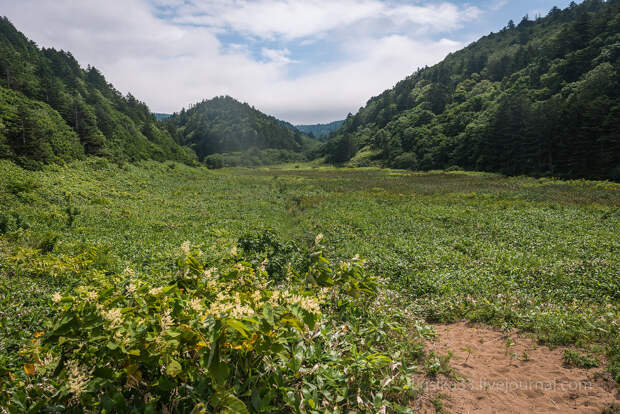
x: 537, y: 255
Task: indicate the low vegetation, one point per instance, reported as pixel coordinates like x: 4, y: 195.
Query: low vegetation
x: 105, y: 304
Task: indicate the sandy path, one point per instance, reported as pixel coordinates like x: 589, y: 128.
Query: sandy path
x: 498, y: 378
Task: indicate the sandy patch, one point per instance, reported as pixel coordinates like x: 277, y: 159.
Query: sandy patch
x: 510, y: 373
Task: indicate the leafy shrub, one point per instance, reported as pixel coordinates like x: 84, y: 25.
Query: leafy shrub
x: 266, y: 249
x: 99, y: 163
x: 47, y: 241
x: 214, y: 161
x: 20, y: 222
x: 17, y: 186
x: 219, y: 339
x: 28, y: 163
x: 30, y: 262
x: 406, y: 161
x: 100, y: 257
x: 72, y: 213
x: 4, y: 223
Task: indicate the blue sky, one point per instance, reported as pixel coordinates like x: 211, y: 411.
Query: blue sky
x: 304, y: 61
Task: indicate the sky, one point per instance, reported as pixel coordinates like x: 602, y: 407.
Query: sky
x: 303, y: 61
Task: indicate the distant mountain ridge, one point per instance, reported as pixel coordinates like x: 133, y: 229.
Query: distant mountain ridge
x: 539, y: 97
x: 161, y: 116
x: 320, y: 131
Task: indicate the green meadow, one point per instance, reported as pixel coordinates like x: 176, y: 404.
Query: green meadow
x: 540, y: 255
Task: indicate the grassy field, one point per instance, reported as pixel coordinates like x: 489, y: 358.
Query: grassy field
x: 536, y: 254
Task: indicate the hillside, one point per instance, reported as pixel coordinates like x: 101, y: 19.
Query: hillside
x: 320, y: 131
x: 52, y: 109
x: 225, y: 125
x: 540, y: 97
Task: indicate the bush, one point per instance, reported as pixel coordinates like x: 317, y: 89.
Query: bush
x: 214, y: 161
x: 46, y: 242
x: 265, y: 249
x: 4, y: 223
x: 29, y: 164
x: 72, y: 213
x: 17, y: 186
x: 405, y: 161
x: 219, y: 340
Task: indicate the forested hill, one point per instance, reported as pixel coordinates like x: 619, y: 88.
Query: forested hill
x: 539, y: 97
x: 223, y: 125
x: 320, y: 131
x: 52, y: 109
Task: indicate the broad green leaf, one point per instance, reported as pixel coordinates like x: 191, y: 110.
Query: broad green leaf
x: 226, y: 402
x: 173, y: 368
x: 237, y: 326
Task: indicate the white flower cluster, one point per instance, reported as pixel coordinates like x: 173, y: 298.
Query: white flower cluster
x: 229, y: 305
x: 88, y: 294
x: 185, y: 247
x: 211, y: 277
x: 166, y: 321
x: 114, y: 316
x: 307, y: 303
x: 156, y: 291
x: 131, y: 288
x: 196, y: 304
x: 78, y: 377
x: 49, y: 360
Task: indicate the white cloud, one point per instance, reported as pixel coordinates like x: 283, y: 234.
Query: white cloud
x: 268, y: 19
x: 498, y: 4
x: 170, y: 65
x: 278, y: 56
x: 380, y: 63
x: 437, y: 18
x: 292, y: 19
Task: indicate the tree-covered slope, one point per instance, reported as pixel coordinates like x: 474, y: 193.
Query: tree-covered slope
x: 540, y: 97
x: 320, y: 131
x: 52, y: 108
x: 223, y: 124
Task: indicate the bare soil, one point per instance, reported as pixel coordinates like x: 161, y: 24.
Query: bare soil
x: 499, y: 372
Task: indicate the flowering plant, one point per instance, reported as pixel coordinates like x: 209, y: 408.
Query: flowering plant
x: 213, y: 339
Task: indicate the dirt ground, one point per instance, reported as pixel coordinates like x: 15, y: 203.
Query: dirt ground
x: 507, y: 373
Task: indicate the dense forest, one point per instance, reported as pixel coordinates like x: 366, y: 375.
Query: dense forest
x: 539, y: 97
x: 225, y: 125
x: 320, y: 131
x: 51, y: 109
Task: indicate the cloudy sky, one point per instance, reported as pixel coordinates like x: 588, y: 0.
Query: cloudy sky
x: 304, y: 61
